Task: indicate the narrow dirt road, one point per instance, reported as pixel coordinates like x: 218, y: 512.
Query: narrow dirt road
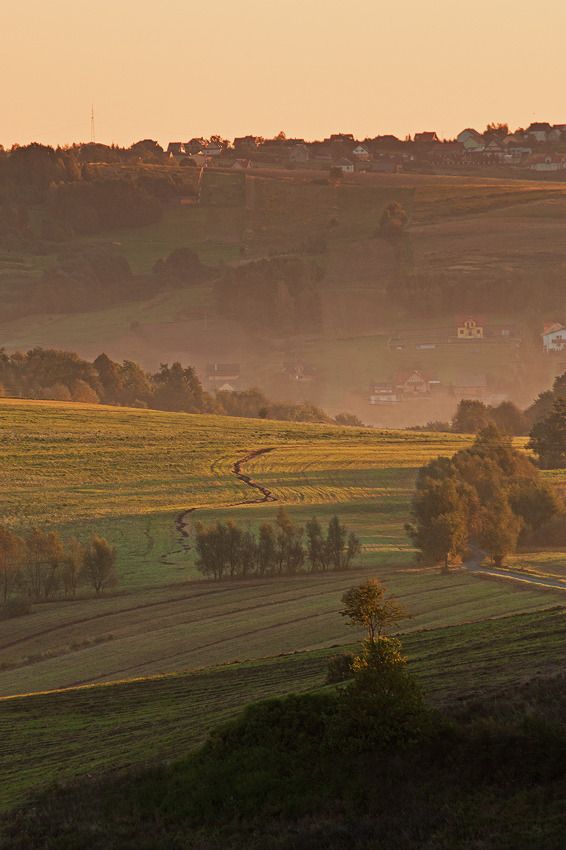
x: 267, y: 495
x: 474, y: 566
x: 182, y: 521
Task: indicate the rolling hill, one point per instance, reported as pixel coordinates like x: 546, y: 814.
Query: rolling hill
x: 145, y: 671
x: 473, y: 229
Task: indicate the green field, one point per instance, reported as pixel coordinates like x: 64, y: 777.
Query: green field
x: 58, y: 736
x: 129, y: 474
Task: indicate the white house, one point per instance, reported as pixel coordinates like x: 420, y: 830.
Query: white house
x: 547, y: 162
x: 361, y: 153
x: 554, y: 337
x: 346, y: 166
x: 471, y: 139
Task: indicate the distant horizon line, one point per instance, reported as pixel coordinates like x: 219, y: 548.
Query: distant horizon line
x: 361, y: 138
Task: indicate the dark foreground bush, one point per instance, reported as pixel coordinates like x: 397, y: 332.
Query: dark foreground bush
x: 484, y: 778
x: 339, y: 668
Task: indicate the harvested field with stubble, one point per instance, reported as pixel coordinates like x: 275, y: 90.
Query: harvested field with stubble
x: 133, y: 476
x: 129, y: 474
x: 196, y: 625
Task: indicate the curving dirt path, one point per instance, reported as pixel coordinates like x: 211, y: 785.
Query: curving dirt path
x: 267, y: 495
x: 182, y: 521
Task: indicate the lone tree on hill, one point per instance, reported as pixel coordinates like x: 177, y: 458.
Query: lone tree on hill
x: 382, y: 704
x: 366, y: 605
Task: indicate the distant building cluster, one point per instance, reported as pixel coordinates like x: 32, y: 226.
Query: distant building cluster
x: 541, y: 147
x: 417, y: 384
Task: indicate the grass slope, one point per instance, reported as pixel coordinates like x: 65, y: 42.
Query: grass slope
x: 202, y: 624
x: 57, y: 736
x: 128, y: 474
x: 474, y: 225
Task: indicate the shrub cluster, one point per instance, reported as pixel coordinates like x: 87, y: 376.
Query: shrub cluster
x: 40, y: 565
x: 225, y: 550
x: 489, y: 496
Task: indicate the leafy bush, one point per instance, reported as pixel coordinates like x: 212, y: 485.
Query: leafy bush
x: 339, y: 668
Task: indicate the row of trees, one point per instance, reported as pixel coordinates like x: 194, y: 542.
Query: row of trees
x: 64, y: 376
x: 436, y: 293
x: 473, y: 416
x: 489, y: 496
x: 40, y: 565
x: 225, y: 550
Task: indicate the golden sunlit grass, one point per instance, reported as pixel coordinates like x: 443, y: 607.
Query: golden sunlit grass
x: 128, y: 474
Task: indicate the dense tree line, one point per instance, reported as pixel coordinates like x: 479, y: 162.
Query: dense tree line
x: 39, y: 565
x: 226, y: 550
x: 473, y: 416
x: 280, y: 293
x: 98, y: 275
x: 64, y: 376
x: 545, y: 420
x: 548, y: 437
x: 48, y: 195
x: 544, y: 403
x: 436, y: 294
x: 490, y: 497
x: 91, y: 206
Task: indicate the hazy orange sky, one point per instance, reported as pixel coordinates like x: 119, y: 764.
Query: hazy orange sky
x: 177, y: 68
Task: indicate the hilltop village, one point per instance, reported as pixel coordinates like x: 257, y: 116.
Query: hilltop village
x: 540, y: 148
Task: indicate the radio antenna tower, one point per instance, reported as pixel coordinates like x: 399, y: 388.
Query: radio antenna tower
x: 92, y: 132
